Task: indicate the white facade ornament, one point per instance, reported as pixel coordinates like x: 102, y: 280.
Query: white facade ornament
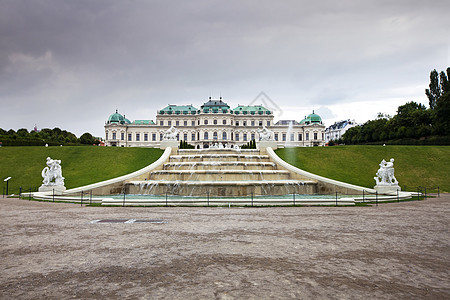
x: 170, y: 134
x: 385, y: 179
x: 265, y: 134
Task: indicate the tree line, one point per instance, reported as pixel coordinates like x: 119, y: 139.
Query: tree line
x: 414, y: 123
x: 51, y: 137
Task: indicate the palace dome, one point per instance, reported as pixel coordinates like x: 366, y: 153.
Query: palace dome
x: 311, y: 119
x: 314, y: 118
x: 117, y: 118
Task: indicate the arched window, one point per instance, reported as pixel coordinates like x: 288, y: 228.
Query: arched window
x: 224, y: 136
x: 215, y: 135
x: 206, y: 136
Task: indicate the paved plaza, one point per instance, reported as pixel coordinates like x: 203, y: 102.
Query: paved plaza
x: 59, y: 251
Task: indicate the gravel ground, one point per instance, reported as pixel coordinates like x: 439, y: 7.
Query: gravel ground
x: 393, y: 251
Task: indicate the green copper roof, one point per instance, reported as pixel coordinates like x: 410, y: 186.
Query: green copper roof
x: 312, y: 119
x: 178, y: 110
x: 143, y: 122
x: 117, y: 118
x: 251, y: 110
x: 215, y: 106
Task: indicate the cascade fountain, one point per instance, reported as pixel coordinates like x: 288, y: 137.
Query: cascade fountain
x: 220, y: 172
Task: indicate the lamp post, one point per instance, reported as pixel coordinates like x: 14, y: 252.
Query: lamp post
x: 7, y: 181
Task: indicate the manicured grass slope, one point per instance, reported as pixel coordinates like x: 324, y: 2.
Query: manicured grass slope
x: 80, y: 165
x: 415, y: 166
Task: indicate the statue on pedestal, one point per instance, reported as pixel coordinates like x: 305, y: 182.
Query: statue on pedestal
x: 385, y: 174
x: 52, y: 174
x: 385, y: 179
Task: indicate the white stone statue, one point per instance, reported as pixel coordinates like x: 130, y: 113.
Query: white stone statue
x: 52, y: 174
x: 385, y: 174
x: 170, y: 134
x: 265, y: 134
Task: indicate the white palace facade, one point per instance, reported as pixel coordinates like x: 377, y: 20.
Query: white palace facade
x: 214, y: 122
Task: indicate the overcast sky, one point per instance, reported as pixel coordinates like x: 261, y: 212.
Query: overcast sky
x: 70, y: 64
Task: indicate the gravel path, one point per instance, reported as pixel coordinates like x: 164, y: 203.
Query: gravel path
x: 393, y: 251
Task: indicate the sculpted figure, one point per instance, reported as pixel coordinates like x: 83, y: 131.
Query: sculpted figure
x: 265, y: 134
x: 170, y: 134
x: 52, y: 172
x: 385, y: 174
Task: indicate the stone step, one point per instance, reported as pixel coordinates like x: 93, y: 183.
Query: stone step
x: 217, y: 151
x: 213, y: 165
x: 218, y: 157
x: 220, y: 175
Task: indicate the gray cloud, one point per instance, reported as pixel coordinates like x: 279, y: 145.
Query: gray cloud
x: 84, y: 59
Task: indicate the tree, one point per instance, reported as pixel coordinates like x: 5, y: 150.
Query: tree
x: 87, y: 139
x: 442, y: 113
x: 439, y: 84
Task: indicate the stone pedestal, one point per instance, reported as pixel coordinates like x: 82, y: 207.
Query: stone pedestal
x: 387, y: 189
x: 59, y: 189
x: 265, y: 144
x: 169, y: 143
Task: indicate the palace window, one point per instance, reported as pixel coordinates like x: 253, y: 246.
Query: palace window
x: 292, y: 137
x: 185, y: 123
x: 160, y: 136
x: 245, y: 123
x: 268, y: 123
x: 224, y: 122
x: 237, y: 136
x: 253, y: 136
x: 169, y: 123
x: 215, y: 135
x: 122, y: 136
x: 106, y: 137
x: 153, y: 136
x: 193, y: 123
x: 260, y: 123
x: 253, y: 123
x: 307, y: 136
x: 299, y: 136
x: 237, y: 123
x: 114, y: 136
x: 224, y: 136
x: 215, y: 122
x: 193, y: 137
x: 205, y: 136
x: 185, y: 137
x: 138, y: 137
x: 206, y: 122
x: 244, y: 137
x: 315, y: 135
x: 129, y: 136
x: 284, y: 137
x: 177, y: 123
x: 161, y: 123
x: 145, y: 136
x: 276, y: 137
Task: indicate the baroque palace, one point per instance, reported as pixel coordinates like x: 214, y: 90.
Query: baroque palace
x: 213, y: 123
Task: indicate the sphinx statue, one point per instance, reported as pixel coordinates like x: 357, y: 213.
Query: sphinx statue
x: 170, y: 134
x: 265, y: 134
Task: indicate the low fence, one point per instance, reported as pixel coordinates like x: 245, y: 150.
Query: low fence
x: 206, y: 199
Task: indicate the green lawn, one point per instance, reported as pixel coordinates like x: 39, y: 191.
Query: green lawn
x: 427, y: 166
x: 81, y: 165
